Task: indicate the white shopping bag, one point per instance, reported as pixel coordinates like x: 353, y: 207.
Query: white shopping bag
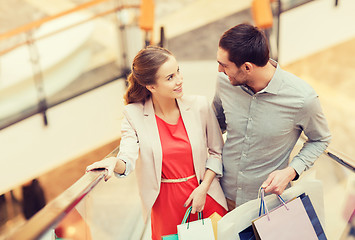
x: 241, y: 217
x: 197, y: 230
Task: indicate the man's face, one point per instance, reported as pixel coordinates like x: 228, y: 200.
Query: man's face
x: 236, y: 75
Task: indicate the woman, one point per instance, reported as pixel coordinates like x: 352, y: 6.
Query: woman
x: 174, y: 142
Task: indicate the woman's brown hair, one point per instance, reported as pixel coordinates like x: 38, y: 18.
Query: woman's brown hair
x: 143, y: 73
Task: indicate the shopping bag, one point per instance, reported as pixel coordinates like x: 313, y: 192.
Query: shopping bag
x: 215, y: 217
x: 248, y: 233
x: 239, y: 219
x: 170, y: 237
x: 287, y: 221
x: 197, y: 230
x: 312, y: 215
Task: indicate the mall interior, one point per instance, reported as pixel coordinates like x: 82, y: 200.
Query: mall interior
x: 63, y: 69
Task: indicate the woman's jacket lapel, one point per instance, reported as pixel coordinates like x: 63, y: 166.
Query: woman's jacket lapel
x: 153, y: 133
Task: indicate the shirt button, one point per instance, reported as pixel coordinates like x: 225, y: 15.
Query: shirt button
x: 243, y: 154
x: 250, y: 119
x: 254, y: 97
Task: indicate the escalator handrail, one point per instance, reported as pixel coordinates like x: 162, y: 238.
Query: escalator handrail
x: 339, y: 160
x: 345, y: 161
x: 31, y: 26
x: 51, y: 215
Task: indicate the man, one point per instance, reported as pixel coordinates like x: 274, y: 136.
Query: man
x: 263, y: 109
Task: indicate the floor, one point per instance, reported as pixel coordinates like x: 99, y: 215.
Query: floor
x: 330, y: 72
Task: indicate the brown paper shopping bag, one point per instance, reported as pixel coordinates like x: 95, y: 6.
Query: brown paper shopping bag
x: 215, y: 217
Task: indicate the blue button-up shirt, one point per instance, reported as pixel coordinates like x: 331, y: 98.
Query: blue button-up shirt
x: 263, y: 128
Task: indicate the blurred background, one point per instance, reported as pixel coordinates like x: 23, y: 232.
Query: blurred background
x: 63, y: 68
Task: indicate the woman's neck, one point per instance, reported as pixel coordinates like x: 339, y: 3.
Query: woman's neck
x: 166, y: 109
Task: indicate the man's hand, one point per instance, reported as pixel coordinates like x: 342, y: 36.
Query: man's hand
x: 278, y: 180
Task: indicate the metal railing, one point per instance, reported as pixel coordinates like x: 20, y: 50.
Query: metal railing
x: 51, y: 215
x: 36, y: 24
x: 29, y: 28
x: 333, y: 154
x: 56, y: 210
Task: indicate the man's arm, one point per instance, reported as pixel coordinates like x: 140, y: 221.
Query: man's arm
x: 218, y: 110
x: 314, y: 125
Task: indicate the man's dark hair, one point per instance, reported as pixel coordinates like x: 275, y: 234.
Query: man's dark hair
x: 245, y: 43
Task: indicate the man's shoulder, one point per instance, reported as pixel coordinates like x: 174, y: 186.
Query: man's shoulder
x: 296, y: 84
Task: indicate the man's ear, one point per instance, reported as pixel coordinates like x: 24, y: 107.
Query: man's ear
x: 248, y: 67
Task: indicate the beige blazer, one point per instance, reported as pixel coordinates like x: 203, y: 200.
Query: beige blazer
x: 140, y: 146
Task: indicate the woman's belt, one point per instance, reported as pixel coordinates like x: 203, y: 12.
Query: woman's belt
x: 177, y: 180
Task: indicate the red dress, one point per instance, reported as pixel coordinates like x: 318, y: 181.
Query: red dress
x: 168, y: 210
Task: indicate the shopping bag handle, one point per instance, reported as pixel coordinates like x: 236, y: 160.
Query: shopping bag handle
x: 187, y: 216
x: 263, y: 206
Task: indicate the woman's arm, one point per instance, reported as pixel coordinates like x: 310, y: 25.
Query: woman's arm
x: 198, y: 196
x: 123, y: 162
x: 213, y: 162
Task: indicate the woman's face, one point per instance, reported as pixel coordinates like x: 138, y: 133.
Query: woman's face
x: 168, y: 80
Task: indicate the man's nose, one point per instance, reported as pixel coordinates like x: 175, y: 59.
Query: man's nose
x: 220, y: 68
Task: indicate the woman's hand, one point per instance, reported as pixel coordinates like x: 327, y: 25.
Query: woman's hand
x: 107, y: 163
x: 198, y: 198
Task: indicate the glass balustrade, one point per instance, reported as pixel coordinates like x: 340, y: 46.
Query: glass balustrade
x: 64, y: 55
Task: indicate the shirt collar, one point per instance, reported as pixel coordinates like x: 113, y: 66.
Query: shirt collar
x: 275, y: 82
